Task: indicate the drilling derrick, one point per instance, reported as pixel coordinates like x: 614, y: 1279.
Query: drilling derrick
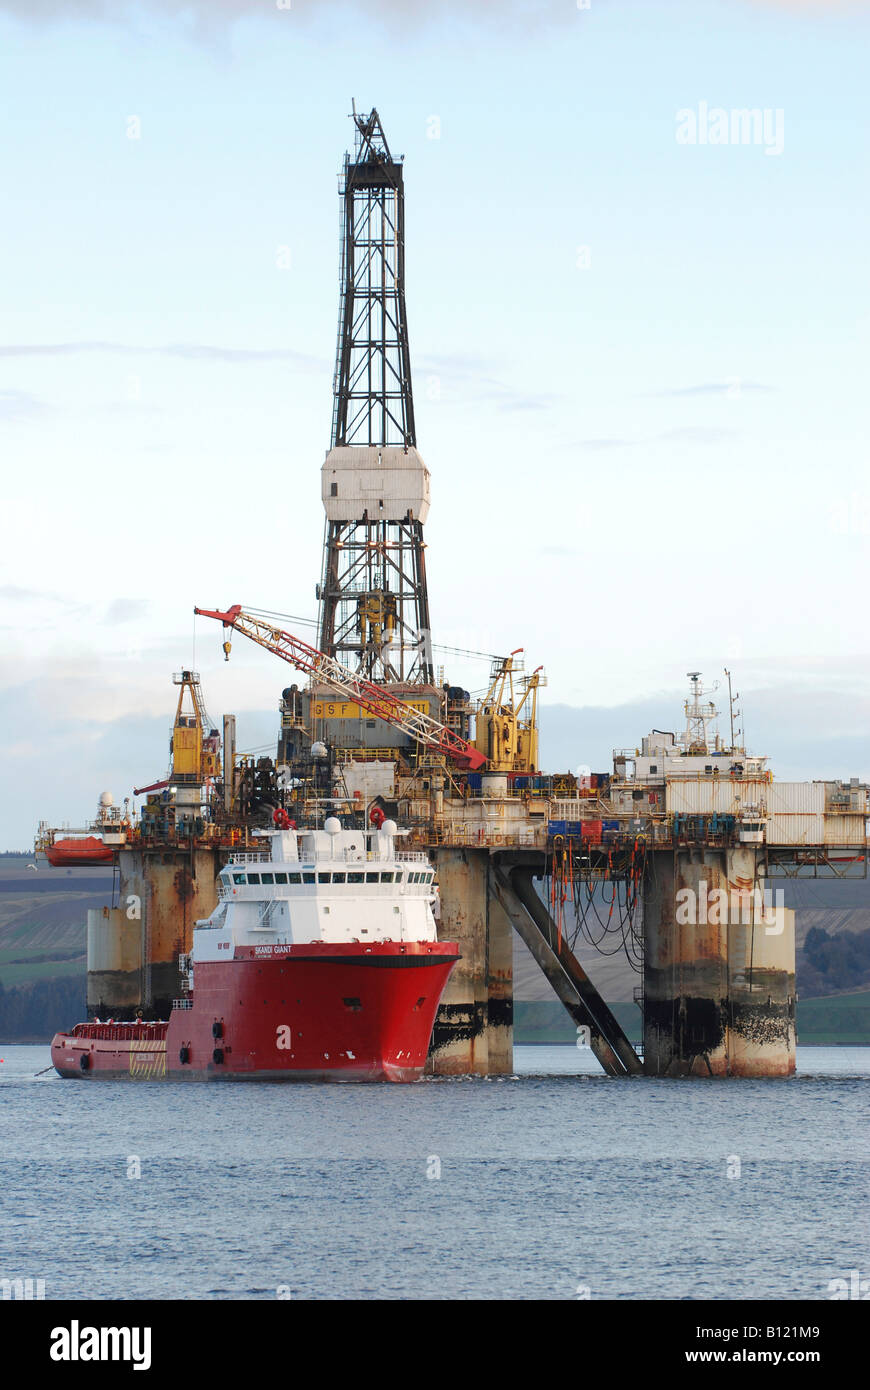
x: 374, y: 605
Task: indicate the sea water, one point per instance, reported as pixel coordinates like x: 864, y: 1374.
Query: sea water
x: 555, y: 1182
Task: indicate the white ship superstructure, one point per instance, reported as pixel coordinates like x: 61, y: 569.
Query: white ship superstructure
x: 329, y: 885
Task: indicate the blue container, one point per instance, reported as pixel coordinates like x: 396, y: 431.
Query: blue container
x: 474, y: 780
x: 610, y: 825
x: 557, y: 827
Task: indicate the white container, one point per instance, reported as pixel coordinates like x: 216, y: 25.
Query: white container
x: 387, y: 483
x: 795, y: 828
x: 702, y: 796
x: 845, y: 830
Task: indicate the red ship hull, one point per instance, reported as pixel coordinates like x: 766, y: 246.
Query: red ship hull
x: 78, y: 853
x: 318, y: 1012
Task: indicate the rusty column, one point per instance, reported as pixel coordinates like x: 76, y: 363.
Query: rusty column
x: 133, y: 950
x: 473, y: 1030
x: 718, y: 971
x: 761, y: 974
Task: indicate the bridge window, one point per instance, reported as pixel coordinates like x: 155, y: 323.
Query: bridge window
x: 238, y: 878
x: 371, y: 878
x: 294, y: 878
x: 324, y: 878
x: 387, y: 878
x: 309, y: 878
x: 280, y: 878
x: 339, y: 878
x: 355, y: 878
x: 253, y: 878
x: 267, y: 878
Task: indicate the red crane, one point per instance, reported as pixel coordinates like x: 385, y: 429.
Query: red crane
x: 376, y: 700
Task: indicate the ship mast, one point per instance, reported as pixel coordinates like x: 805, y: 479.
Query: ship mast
x: 697, y: 737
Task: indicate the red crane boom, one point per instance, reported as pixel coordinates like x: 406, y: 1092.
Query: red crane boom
x: 373, y: 698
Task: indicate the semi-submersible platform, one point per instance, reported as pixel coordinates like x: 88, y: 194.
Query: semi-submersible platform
x: 669, y: 856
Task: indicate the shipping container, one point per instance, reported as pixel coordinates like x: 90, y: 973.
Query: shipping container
x: 704, y: 795
x: 806, y: 798
x: 795, y: 828
x: 845, y: 830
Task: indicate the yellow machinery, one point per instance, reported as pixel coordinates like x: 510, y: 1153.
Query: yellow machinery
x: 195, y: 748
x: 377, y: 620
x: 506, y: 728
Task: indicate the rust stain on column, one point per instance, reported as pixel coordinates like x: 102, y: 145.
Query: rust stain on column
x: 718, y: 979
x: 473, y: 1031
x: 133, y: 961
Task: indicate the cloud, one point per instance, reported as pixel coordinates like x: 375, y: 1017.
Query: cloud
x: 204, y: 18
x: 471, y: 381
x: 126, y: 610
x: 690, y: 434
x: 20, y: 405
x: 16, y: 594
x: 208, y: 13
x: 808, y: 730
x: 808, y: 6
x: 59, y: 762
x: 699, y: 434
x: 732, y: 386
x: 595, y: 444
x: 194, y: 352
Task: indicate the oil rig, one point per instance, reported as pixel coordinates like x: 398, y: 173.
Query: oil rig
x: 668, y: 856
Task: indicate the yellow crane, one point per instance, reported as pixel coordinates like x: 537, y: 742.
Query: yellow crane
x: 506, y: 727
x: 194, y: 746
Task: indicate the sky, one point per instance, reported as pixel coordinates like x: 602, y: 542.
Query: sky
x: 639, y: 357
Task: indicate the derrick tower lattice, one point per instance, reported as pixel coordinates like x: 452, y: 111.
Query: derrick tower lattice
x: 374, y: 604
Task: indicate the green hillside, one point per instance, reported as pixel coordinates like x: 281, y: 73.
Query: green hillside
x: 837, y: 1020
x: 43, y: 945
x: 43, y: 915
